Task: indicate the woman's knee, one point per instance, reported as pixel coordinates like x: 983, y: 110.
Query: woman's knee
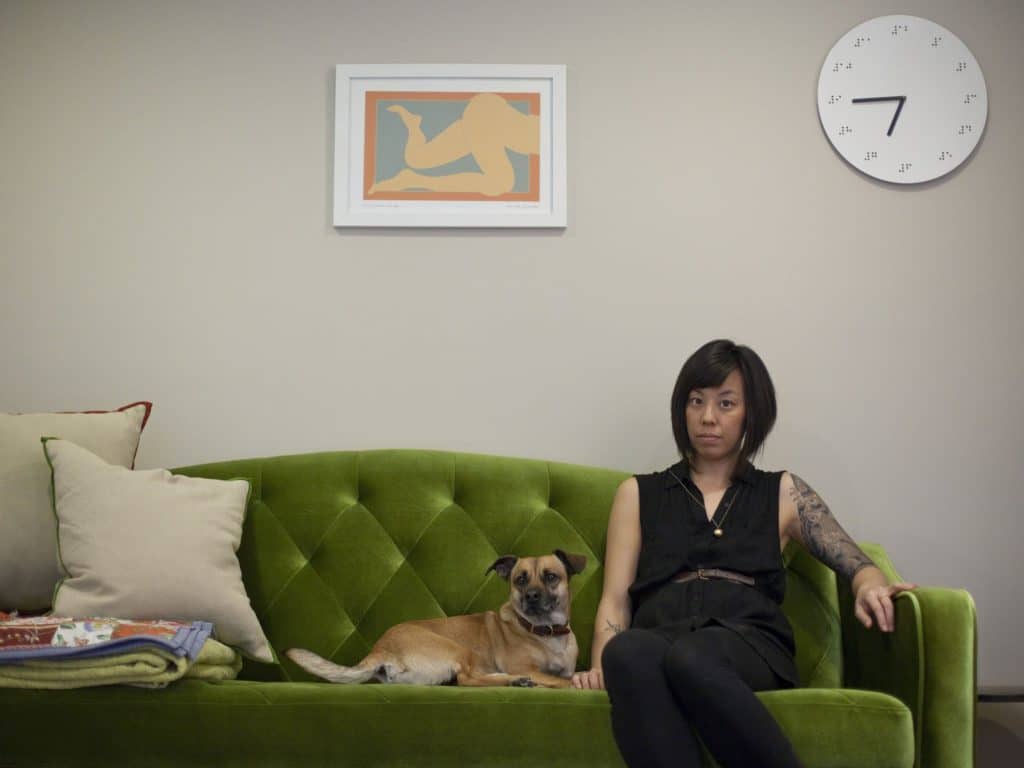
x: 629, y: 652
x: 689, y: 661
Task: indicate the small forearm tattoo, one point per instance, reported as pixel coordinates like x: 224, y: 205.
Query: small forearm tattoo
x: 615, y: 628
x: 822, y: 534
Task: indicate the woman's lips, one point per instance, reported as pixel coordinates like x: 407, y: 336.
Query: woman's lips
x: 709, y: 438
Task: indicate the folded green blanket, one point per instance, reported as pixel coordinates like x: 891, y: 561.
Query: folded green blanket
x: 145, y: 668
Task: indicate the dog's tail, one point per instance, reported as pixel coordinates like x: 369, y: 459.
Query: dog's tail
x: 334, y: 673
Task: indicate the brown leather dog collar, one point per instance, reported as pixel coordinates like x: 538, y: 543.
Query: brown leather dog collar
x: 544, y: 630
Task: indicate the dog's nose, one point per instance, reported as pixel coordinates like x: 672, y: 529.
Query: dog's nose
x: 532, y: 595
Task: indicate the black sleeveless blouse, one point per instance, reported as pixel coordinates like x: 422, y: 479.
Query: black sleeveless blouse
x: 676, y: 535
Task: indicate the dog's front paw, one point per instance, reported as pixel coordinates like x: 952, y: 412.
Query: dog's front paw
x: 522, y: 682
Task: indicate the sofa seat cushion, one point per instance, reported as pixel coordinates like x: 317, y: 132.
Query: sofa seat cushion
x: 833, y: 727
x: 248, y: 723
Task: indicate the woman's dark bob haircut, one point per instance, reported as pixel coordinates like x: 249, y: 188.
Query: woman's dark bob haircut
x: 708, y: 367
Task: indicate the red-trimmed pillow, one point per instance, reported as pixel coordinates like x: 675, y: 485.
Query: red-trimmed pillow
x: 29, y: 568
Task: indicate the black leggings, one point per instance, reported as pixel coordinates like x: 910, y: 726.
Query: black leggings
x: 705, y: 679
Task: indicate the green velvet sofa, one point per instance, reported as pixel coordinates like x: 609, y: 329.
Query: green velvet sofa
x: 339, y: 546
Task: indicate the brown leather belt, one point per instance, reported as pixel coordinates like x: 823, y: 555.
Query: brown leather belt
x: 714, y: 573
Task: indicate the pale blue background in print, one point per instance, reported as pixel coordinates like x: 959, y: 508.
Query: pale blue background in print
x: 437, y: 115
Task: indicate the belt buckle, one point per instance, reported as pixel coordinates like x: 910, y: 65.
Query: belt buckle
x: 702, y: 574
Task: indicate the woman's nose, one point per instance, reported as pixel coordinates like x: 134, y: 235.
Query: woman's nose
x: 708, y: 417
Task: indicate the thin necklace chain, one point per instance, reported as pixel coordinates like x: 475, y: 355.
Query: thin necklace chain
x: 718, y: 525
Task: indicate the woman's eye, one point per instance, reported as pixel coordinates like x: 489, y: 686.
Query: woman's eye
x: 695, y: 401
x: 727, y: 403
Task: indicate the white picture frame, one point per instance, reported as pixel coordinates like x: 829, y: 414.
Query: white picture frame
x: 450, y: 145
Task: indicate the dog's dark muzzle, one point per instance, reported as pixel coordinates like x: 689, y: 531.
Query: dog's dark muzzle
x: 536, y: 603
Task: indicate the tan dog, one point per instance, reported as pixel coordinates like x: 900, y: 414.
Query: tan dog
x: 527, y: 642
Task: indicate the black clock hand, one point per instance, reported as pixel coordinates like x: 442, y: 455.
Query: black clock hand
x: 901, y: 99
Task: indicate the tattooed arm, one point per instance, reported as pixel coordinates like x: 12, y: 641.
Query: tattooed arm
x: 807, y: 518
x: 621, y: 555
x: 819, y: 532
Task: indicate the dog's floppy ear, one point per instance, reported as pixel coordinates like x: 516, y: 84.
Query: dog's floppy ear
x: 503, y: 566
x: 573, y: 563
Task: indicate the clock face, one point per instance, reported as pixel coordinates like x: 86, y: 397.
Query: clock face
x: 902, y: 99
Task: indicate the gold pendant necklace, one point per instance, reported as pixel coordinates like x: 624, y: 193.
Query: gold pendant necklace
x: 718, y: 525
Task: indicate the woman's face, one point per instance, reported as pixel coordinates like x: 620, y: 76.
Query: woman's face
x: 714, y: 418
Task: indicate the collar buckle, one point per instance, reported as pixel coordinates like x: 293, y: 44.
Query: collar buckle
x: 543, y: 630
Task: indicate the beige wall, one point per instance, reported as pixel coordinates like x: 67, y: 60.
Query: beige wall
x: 165, y: 233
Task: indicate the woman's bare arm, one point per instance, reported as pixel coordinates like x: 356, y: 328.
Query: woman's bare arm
x: 821, y: 534
x: 813, y: 525
x: 621, y: 554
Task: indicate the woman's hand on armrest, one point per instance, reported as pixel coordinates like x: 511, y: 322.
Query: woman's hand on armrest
x: 873, y: 596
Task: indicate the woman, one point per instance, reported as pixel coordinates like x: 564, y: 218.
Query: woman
x: 690, y: 624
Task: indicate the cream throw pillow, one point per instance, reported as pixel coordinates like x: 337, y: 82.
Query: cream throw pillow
x: 151, y: 545
x: 28, y: 533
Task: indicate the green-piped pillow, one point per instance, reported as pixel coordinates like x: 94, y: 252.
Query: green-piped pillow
x: 150, y: 545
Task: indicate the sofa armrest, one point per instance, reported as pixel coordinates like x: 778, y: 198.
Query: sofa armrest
x: 950, y: 677
x: 929, y: 662
x: 892, y: 663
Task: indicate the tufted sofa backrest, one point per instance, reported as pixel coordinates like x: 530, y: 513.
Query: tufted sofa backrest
x: 337, y: 547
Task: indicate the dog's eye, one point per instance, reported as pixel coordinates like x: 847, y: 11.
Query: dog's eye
x: 550, y: 578
x: 522, y: 578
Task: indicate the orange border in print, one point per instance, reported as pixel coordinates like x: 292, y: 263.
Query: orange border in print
x: 370, y: 149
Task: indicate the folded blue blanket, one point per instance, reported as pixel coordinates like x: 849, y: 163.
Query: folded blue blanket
x: 54, y: 637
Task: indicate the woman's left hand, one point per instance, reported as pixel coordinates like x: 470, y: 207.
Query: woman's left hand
x: 874, y: 604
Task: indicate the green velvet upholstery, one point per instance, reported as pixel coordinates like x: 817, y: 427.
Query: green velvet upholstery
x: 339, y: 546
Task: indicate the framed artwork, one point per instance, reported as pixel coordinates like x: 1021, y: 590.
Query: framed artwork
x: 449, y: 145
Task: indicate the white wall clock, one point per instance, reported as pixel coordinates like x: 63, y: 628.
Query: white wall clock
x: 902, y: 99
